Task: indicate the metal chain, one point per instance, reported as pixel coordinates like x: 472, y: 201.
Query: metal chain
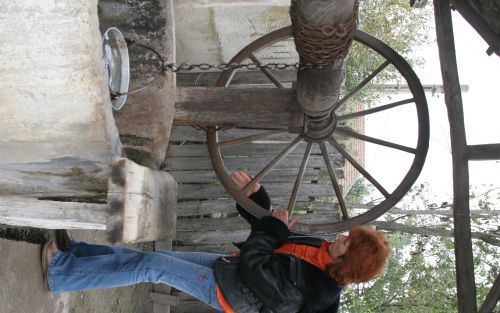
x: 173, y: 67
x: 186, y: 67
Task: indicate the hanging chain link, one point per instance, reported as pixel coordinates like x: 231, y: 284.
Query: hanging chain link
x: 185, y: 67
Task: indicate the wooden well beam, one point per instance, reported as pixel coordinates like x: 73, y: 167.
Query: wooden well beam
x: 466, y: 286
x: 270, y: 108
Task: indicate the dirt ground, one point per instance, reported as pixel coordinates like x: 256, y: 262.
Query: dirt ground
x: 21, y: 282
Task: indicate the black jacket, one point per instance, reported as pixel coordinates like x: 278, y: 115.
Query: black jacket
x: 259, y: 281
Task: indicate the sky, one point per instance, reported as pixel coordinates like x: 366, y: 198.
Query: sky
x: 481, y: 108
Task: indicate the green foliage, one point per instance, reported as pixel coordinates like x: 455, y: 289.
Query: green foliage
x: 394, y: 23
x: 359, y: 191
x: 410, y: 283
x: 421, y: 274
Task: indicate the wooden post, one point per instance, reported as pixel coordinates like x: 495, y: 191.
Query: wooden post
x: 141, y: 207
x: 142, y: 203
x: 58, y: 131
x: 318, y: 89
x: 145, y: 121
x: 466, y: 286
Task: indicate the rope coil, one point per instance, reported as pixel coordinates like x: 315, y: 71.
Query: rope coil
x: 322, y: 45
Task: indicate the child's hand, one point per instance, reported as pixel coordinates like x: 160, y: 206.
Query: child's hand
x: 282, y: 215
x: 241, y: 179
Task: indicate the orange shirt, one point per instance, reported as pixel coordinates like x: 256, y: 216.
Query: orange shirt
x: 318, y: 257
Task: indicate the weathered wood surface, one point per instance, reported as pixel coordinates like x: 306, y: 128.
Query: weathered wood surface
x: 25, y: 212
x: 201, y: 195
x: 248, y: 78
x: 217, y: 231
x: 241, y: 106
x: 484, y: 152
x: 483, y: 16
x: 466, y: 293
x: 58, y: 136
x: 142, y: 203
x: 228, y: 3
x: 145, y: 121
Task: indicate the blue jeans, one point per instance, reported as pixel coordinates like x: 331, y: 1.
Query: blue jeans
x: 87, y: 266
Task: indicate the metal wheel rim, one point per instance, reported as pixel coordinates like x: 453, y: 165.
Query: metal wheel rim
x: 421, y: 149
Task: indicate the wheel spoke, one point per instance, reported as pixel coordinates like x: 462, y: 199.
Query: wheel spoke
x: 273, y: 163
x: 362, y: 85
x: 266, y: 71
x: 335, y: 183
x: 351, y: 133
x: 360, y: 168
x: 300, y: 176
x: 374, y: 110
x: 249, y: 138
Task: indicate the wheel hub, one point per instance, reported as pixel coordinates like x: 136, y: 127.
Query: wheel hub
x: 319, y: 129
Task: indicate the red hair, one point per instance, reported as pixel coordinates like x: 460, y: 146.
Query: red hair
x: 365, y: 259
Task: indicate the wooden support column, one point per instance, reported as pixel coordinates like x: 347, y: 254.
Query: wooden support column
x: 141, y: 207
x: 466, y: 286
x: 145, y: 121
x: 58, y: 133
x: 142, y: 203
x: 318, y: 89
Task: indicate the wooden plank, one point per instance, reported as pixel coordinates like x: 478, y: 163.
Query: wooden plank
x: 484, y: 152
x: 262, y: 148
x: 209, y: 176
x: 223, y: 206
x: 198, y: 191
x: 252, y: 78
x: 25, y: 212
x: 244, y: 107
x: 464, y: 260
x: 226, y: 230
x: 143, y: 203
x: 246, y: 163
x: 62, y: 178
x: 146, y: 119
x: 182, y: 133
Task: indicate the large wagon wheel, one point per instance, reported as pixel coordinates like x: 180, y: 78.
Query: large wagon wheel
x: 390, y: 198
